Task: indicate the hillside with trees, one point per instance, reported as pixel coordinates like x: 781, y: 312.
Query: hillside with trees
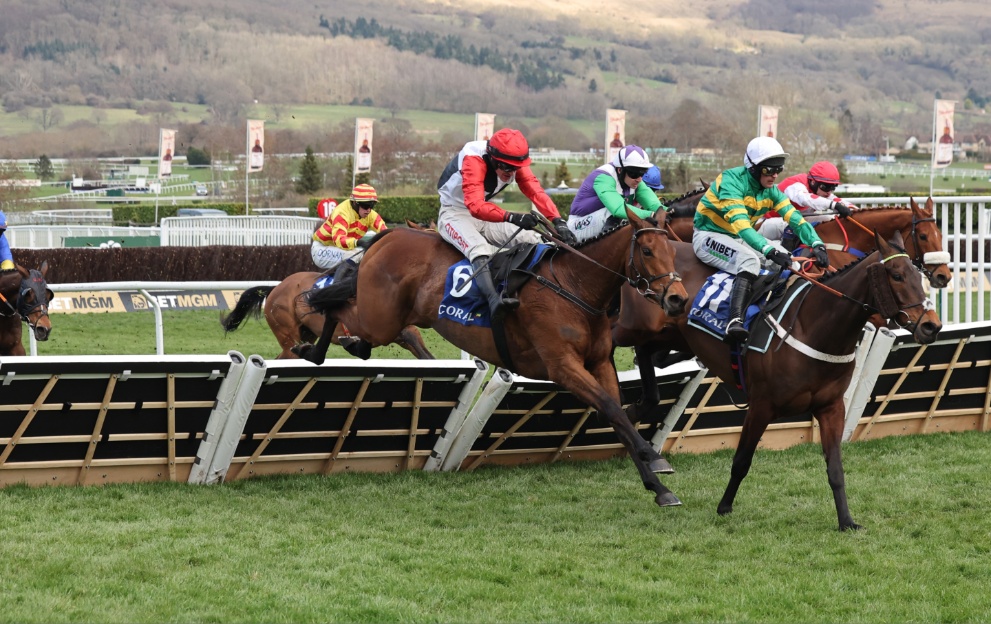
x: 846, y: 74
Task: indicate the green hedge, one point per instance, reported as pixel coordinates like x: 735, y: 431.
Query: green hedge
x: 144, y: 214
x: 418, y: 208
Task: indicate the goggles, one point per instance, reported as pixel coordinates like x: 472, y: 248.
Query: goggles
x: 365, y: 205
x: 829, y: 188
x: 771, y: 170
x: 634, y: 172
x: 501, y: 166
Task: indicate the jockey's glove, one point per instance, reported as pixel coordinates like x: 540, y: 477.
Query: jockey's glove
x: 780, y: 258
x: 524, y: 220
x: 842, y: 209
x: 363, y: 243
x: 567, y: 236
x: 822, y: 258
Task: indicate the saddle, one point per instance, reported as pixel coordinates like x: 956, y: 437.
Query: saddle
x: 512, y: 266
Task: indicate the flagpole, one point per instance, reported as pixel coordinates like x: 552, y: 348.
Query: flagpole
x: 354, y: 155
x: 932, y: 158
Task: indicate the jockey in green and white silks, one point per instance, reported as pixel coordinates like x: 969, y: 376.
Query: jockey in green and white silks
x: 724, y: 234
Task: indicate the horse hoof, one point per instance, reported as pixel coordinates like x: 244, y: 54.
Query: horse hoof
x: 301, y: 350
x: 667, y: 499
x: 853, y: 526
x: 661, y: 466
x: 724, y: 511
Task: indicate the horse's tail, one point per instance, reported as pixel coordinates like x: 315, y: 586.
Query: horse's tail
x: 335, y: 296
x: 250, y: 303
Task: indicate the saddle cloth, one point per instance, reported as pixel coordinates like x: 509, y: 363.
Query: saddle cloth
x: 710, y: 310
x: 464, y: 302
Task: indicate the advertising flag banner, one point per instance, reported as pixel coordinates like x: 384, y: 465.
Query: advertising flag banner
x: 256, y: 145
x: 767, y: 121
x: 363, y: 145
x: 615, y: 132
x: 484, y: 126
x: 166, y: 148
x: 943, y: 134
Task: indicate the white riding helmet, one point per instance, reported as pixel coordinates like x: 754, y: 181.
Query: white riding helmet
x: 761, y: 149
x: 631, y: 156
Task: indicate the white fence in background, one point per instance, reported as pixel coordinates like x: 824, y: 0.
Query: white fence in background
x: 53, y: 236
x: 238, y: 230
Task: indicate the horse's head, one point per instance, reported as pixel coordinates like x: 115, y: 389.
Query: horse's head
x: 896, y: 292
x: 651, y: 264
x: 33, y: 300
x: 926, y: 245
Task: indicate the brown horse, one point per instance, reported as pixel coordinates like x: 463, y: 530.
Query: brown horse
x: 293, y: 321
x: 809, y: 369
x: 24, y: 297
x: 560, y: 332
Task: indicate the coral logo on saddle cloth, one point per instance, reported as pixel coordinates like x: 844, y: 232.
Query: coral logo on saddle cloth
x: 463, y: 302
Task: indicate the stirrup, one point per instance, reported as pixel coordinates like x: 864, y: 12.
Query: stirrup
x: 736, y: 330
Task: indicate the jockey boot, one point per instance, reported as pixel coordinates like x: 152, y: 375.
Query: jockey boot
x: 738, y: 300
x: 483, y: 279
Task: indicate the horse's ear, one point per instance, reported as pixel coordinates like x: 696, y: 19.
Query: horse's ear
x: 898, y: 240
x: 44, y: 267
x: 24, y: 272
x: 632, y: 217
x: 51, y: 295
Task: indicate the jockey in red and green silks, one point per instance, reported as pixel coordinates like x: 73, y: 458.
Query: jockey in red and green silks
x: 6, y: 258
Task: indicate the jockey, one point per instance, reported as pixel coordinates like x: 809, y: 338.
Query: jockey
x: 6, y: 258
x: 340, y: 237
x: 473, y: 224
x: 812, y: 194
x: 724, y: 234
x: 605, y: 194
x: 653, y: 178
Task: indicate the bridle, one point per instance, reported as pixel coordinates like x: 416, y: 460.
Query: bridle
x: 41, y: 301
x: 643, y: 283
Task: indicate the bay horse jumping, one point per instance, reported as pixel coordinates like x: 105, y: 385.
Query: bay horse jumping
x: 24, y: 298
x: 293, y: 322
x: 560, y: 332
x: 808, y: 369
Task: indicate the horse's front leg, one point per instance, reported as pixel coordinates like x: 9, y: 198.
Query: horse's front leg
x: 831, y: 420
x: 649, y: 399
x: 601, y: 391
x: 755, y: 423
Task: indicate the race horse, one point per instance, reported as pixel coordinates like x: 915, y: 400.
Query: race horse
x: 24, y: 298
x: 293, y: 322
x: 809, y: 363
x: 560, y: 332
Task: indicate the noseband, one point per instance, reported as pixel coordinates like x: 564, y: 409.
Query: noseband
x: 643, y: 282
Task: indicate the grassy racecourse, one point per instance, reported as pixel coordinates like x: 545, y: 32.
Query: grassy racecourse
x: 549, y: 543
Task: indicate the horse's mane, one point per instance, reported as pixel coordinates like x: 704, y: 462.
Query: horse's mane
x: 698, y: 191
x: 870, y: 209
x: 847, y: 268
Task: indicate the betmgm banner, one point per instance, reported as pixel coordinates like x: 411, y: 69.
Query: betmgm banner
x: 96, y: 302
x: 256, y: 145
x: 363, y: 145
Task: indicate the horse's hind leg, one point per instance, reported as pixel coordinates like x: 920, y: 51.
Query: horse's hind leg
x: 411, y: 340
x: 831, y: 421
x: 754, y: 425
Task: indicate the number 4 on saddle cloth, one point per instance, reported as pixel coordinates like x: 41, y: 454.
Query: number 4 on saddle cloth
x: 464, y: 303
x: 710, y: 310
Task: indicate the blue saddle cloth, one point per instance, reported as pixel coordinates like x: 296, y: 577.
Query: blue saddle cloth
x: 710, y: 310
x: 323, y: 281
x: 463, y: 300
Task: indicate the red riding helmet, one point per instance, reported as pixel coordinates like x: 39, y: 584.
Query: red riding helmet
x: 825, y: 172
x: 509, y: 146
